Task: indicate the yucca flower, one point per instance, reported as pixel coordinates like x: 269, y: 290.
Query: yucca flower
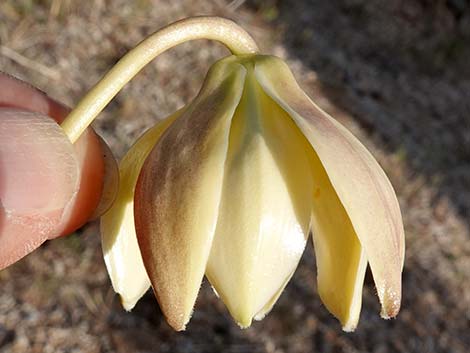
x: 232, y: 185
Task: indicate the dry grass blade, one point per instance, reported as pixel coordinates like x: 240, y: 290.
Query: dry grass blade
x: 28, y: 63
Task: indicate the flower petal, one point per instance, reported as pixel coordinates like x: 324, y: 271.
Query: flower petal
x: 360, y: 183
x: 110, y: 184
x: 118, y: 238
x: 178, y: 193
x: 341, y: 260
x: 265, y: 210
x: 269, y: 305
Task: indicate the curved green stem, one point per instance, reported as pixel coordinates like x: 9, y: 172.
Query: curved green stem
x: 236, y: 39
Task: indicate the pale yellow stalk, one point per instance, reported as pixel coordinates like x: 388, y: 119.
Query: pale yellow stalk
x: 235, y: 38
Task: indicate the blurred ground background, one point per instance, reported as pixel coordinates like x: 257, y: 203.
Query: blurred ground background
x: 395, y: 72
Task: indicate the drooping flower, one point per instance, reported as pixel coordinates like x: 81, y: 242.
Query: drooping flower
x: 232, y: 185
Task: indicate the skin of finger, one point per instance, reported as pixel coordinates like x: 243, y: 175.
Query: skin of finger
x: 39, y: 175
x: 20, y: 95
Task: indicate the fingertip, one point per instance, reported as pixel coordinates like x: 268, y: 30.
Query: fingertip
x: 89, y: 154
x: 39, y: 175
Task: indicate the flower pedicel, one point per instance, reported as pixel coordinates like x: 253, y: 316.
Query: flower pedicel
x: 231, y: 186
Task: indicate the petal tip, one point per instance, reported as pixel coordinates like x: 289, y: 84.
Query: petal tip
x: 390, y: 304
x: 260, y: 316
x: 128, y: 305
x: 244, y: 324
x: 178, y: 322
x: 389, y: 311
x: 349, y: 327
x: 243, y: 318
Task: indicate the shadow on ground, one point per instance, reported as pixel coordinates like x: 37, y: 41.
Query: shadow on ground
x: 401, y: 69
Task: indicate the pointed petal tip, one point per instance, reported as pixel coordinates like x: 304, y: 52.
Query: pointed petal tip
x: 178, y: 327
x: 391, y: 301
x: 349, y: 324
x: 390, y: 310
x: 242, y: 316
x: 128, y: 303
x: 178, y: 322
x: 177, y: 313
x: 260, y: 316
x: 349, y: 327
x: 245, y: 323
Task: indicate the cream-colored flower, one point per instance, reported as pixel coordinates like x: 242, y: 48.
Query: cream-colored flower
x: 231, y: 186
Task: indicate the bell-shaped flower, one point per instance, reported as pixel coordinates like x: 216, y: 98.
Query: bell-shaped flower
x: 49, y: 187
x: 232, y: 185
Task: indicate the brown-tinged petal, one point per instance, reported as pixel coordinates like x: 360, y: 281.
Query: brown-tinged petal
x: 265, y: 211
x: 178, y: 193
x: 360, y: 183
x: 120, y: 248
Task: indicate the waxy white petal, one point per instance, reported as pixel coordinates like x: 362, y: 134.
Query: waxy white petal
x: 360, y: 183
x: 178, y: 194
x: 118, y: 238
x: 265, y: 210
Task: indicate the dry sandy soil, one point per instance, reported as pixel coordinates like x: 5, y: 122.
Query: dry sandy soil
x: 394, y: 72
